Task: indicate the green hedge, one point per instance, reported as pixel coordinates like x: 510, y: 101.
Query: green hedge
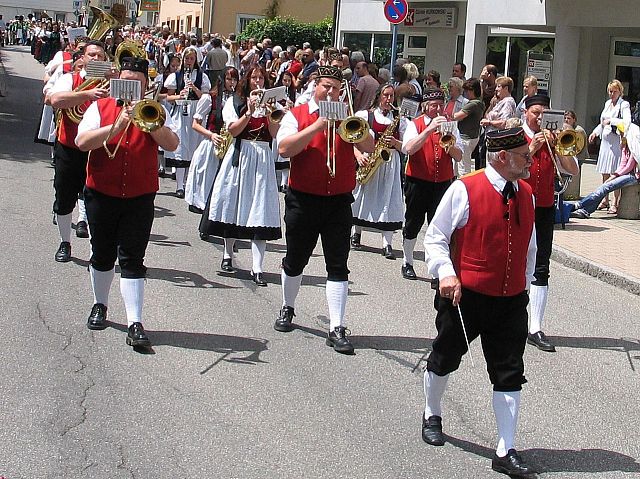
x: 285, y: 31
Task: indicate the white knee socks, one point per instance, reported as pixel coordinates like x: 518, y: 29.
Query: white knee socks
x: 258, y: 248
x: 228, y: 248
x: 505, y: 408
x: 337, y: 299
x: 408, y: 245
x: 64, y: 227
x: 387, y: 238
x: 290, y: 288
x: 101, y: 284
x: 538, y: 301
x: 82, y: 211
x: 132, y: 291
x: 357, y: 229
x: 434, y: 387
x: 180, y: 175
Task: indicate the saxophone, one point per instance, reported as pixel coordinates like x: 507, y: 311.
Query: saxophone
x: 227, y: 139
x: 381, y: 153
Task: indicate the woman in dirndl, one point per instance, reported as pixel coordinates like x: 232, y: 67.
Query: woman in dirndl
x: 378, y: 204
x: 244, y: 201
x: 207, y: 121
x: 184, y: 89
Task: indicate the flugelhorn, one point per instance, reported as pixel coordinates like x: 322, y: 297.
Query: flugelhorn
x: 447, y: 136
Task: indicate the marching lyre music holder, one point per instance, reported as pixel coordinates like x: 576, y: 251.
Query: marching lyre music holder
x: 127, y: 90
x: 409, y: 108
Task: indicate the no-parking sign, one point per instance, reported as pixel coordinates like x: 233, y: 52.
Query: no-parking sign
x: 395, y: 11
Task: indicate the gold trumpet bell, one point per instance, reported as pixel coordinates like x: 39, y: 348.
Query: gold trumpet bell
x: 102, y: 23
x: 353, y: 129
x: 148, y: 115
x: 569, y: 143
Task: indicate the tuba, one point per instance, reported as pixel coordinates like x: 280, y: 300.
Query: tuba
x: 381, y: 153
x: 102, y: 23
x: 128, y: 48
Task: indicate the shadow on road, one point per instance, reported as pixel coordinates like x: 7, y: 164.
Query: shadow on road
x: 562, y: 460
x: 244, y: 350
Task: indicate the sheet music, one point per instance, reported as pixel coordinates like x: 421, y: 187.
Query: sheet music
x: 333, y: 110
x: 409, y: 108
x: 97, y: 69
x: 127, y: 90
x: 552, y: 120
x: 274, y: 95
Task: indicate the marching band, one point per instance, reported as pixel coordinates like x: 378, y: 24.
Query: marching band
x: 225, y: 141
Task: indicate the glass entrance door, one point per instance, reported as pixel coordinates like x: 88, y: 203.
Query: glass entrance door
x: 625, y: 66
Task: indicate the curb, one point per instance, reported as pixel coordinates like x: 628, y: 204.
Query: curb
x: 599, y: 271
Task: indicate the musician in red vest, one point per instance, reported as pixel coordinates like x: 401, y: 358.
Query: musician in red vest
x: 481, y: 246
x: 318, y: 203
x: 119, y: 196
x: 429, y: 171
x: 70, y: 162
x: 542, y: 180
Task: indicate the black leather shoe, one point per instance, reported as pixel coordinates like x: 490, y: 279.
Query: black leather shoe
x: 180, y: 194
x: 337, y: 339
x: 355, y: 240
x: 82, y: 231
x: 203, y: 236
x: 285, y: 320
x: 432, y: 430
x: 408, y: 272
x: 227, y: 265
x: 136, y: 336
x: 387, y: 252
x: 512, y: 465
x: 540, y: 341
x: 258, y: 279
x: 63, y: 255
x: 97, y: 319
x: 161, y: 173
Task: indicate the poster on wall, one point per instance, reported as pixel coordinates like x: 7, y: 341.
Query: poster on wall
x: 540, y: 66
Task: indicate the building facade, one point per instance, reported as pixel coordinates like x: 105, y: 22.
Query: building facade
x: 226, y: 16
x: 574, y: 47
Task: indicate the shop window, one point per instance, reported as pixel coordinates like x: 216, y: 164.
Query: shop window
x: 460, y: 49
x: 627, y: 49
x: 382, y: 48
x: 358, y: 42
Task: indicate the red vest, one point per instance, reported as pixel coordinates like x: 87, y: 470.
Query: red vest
x: 67, y: 64
x: 134, y: 170
x: 69, y: 130
x: 309, y: 172
x: 494, y: 261
x: 380, y: 128
x: 542, y: 176
x: 431, y: 162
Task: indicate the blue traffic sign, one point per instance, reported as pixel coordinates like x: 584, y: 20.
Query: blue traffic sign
x: 395, y: 11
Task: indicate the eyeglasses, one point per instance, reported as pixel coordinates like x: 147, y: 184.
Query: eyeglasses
x: 526, y: 156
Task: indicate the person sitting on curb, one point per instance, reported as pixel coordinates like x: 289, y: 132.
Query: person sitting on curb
x: 626, y: 174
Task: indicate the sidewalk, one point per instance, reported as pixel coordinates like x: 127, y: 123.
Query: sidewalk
x: 602, y: 246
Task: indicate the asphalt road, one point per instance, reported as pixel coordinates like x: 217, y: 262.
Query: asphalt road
x: 226, y: 396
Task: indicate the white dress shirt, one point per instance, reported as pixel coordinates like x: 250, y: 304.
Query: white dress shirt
x: 412, y: 131
x: 452, y: 214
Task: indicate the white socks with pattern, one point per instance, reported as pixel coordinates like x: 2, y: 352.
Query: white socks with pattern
x: 64, y: 227
x: 228, y: 248
x: 387, y: 238
x: 337, y: 292
x: 258, y: 248
x: 82, y: 211
x: 408, y: 245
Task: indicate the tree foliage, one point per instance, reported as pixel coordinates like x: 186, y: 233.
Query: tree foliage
x: 286, y: 31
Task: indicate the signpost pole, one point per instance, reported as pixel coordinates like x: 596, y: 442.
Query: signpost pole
x: 394, y: 45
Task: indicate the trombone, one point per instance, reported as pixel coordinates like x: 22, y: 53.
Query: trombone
x: 147, y: 115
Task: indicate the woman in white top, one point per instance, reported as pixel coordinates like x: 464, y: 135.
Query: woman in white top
x: 378, y: 204
x: 616, y: 112
x: 207, y: 121
x: 184, y: 89
x: 244, y: 200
